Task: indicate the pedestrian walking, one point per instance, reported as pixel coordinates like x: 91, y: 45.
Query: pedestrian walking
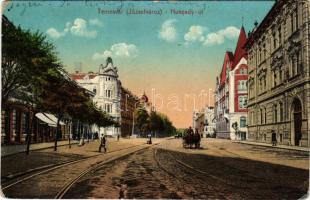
x: 103, y: 143
x: 118, y: 137
x: 273, y: 138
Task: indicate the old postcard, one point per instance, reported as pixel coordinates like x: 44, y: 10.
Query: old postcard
x: 155, y: 99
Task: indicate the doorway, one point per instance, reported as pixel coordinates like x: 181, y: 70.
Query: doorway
x: 297, y: 121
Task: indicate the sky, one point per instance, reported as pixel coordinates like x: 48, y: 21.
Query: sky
x: 171, y: 50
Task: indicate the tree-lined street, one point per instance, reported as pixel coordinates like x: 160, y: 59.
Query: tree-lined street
x: 221, y: 169
x: 155, y: 99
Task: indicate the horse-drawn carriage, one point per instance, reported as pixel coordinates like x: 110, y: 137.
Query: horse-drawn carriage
x: 190, y: 140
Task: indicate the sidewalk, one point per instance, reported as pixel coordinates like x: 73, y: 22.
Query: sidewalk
x: 295, y: 148
x: 13, y: 149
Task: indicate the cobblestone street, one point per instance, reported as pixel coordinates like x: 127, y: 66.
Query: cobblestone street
x: 221, y: 169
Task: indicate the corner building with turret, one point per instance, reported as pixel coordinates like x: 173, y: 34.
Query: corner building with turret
x: 107, y: 89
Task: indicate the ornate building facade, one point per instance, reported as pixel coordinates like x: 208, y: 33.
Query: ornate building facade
x: 231, y: 93
x: 107, y: 88
x: 279, y: 75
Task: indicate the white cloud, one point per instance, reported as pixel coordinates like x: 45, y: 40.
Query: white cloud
x: 168, y: 31
x: 80, y: 29
x: 219, y: 37
x: 195, y: 33
x: 53, y: 33
x: 230, y: 32
x: 214, y: 38
x: 95, y: 22
x: 123, y: 49
x: 118, y: 50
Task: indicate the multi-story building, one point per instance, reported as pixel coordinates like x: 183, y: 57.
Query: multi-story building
x: 231, y: 93
x: 107, y: 88
x: 279, y: 75
x: 129, y: 102
x: 209, y: 123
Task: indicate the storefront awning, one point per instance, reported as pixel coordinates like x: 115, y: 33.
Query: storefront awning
x: 49, y: 119
x: 53, y: 118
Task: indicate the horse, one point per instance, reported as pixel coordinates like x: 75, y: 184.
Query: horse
x: 191, y: 139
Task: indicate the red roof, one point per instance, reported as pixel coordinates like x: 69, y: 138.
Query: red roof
x: 228, y: 59
x: 79, y: 76
x: 240, y: 51
x: 234, y: 59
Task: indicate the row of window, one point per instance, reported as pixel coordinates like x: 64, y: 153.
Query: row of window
x: 110, y: 79
x: 107, y: 108
x: 277, y: 114
x: 242, y: 85
x: 277, y: 38
x: 242, y: 103
x: 295, y: 68
x: 224, y: 125
x: 23, y: 126
x: 107, y: 93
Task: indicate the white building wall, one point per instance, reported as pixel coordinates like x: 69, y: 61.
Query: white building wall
x: 106, y: 80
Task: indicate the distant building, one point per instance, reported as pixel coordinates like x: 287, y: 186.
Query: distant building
x: 209, y: 123
x: 231, y: 93
x: 129, y: 103
x: 279, y: 75
x: 107, y: 88
x: 199, y: 121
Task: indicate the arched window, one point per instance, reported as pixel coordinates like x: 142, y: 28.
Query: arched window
x: 242, y: 122
x: 281, y: 111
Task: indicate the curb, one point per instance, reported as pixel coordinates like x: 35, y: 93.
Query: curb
x: 277, y: 147
x: 48, y: 147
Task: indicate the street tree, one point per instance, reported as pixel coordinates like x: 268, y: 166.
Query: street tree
x: 27, y: 61
x: 25, y: 57
x: 142, y: 120
x: 61, y: 96
x: 156, y: 122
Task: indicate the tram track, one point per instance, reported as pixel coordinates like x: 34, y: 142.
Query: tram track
x: 71, y: 183
x: 24, y: 176
x: 200, y: 174
x: 197, y: 171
